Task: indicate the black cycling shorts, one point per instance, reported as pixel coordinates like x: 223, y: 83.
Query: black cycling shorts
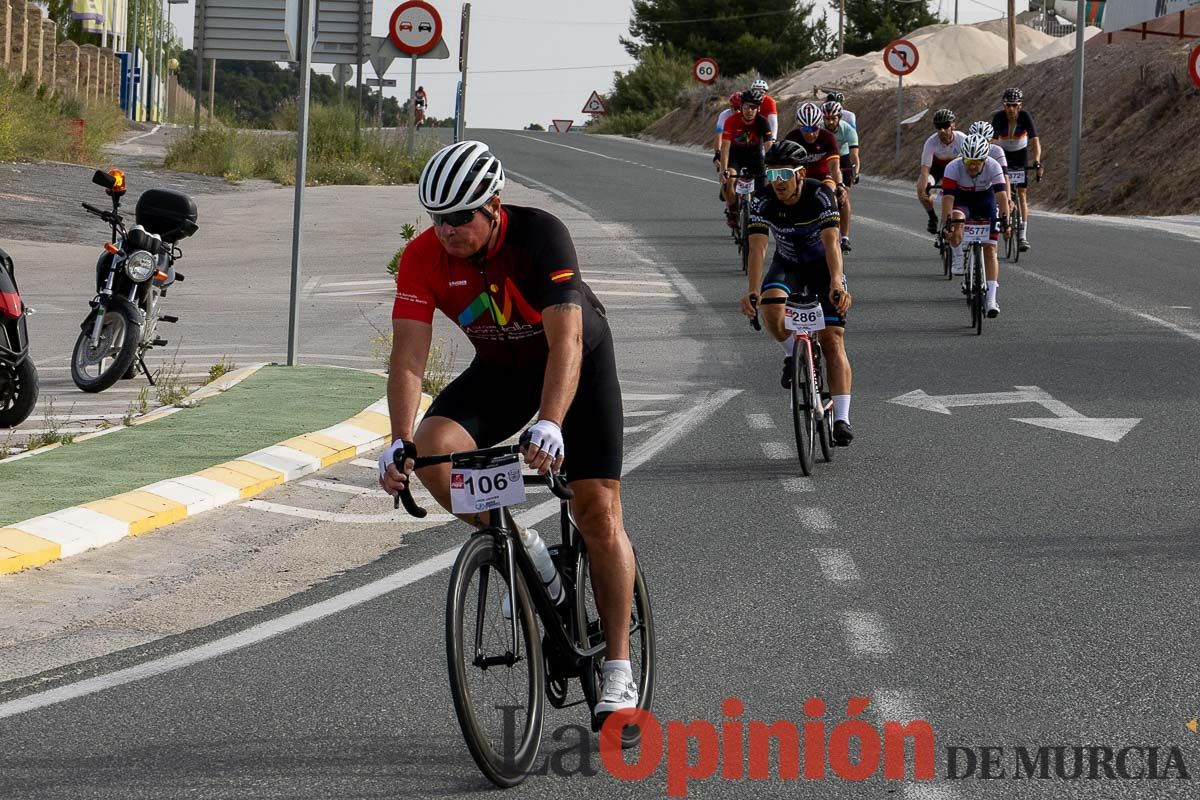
x: 847, y: 169
x: 812, y: 275
x: 493, y: 403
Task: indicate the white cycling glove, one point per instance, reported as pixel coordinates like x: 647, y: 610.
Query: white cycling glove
x: 547, y: 437
x: 388, y: 456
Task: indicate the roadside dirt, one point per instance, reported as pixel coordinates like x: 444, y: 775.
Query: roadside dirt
x: 1141, y: 114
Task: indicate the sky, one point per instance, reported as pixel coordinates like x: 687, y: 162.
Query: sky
x: 535, y: 60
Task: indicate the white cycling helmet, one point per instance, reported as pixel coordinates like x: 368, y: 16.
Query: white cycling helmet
x: 461, y: 177
x: 982, y: 128
x: 975, y: 147
x: 809, y: 115
x: 759, y: 84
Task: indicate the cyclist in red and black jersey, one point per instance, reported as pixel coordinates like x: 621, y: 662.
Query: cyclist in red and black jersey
x: 745, y: 138
x: 821, y: 159
x: 509, y: 277
x: 1022, y: 147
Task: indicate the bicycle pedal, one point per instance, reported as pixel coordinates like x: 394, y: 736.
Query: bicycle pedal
x: 159, y: 342
x: 168, y: 318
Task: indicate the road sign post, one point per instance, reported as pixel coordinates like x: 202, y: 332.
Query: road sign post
x: 561, y: 125
x: 705, y: 70
x: 595, y: 105
x: 901, y: 58
x: 463, y: 46
x: 415, y: 29
x: 308, y: 11
x: 1077, y: 105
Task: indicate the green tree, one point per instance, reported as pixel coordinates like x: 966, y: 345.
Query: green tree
x: 767, y: 37
x: 871, y: 24
x: 654, y: 84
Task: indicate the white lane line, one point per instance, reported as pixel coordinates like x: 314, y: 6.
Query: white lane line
x: 650, y: 398
x: 866, y: 634
x: 895, y: 705
x: 929, y: 791
x: 71, y: 417
x: 799, y: 484
x: 399, y: 515
x: 645, y: 426
x: 836, y: 564
x: 621, y: 293
x: 344, y: 488
x: 682, y: 424
x: 376, y: 282
x: 365, y: 462
x: 776, y: 450
x: 644, y: 413
x: 150, y: 132
x: 358, y: 293
x: 818, y: 519
x: 634, y: 282
x: 760, y: 422
x: 1104, y: 301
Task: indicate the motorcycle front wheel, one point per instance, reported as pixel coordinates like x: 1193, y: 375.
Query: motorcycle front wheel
x: 94, y: 369
x: 18, y: 392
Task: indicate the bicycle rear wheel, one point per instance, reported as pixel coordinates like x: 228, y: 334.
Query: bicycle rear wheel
x: 497, y: 684
x: 825, y: 426
x: 802, y: 416
x: 1016, y: 234
x: 589, y: 632
x: 946, y: 260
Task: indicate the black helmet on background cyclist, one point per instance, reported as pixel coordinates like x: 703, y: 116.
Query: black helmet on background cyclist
x: 1013, y: 95
x: 943, y: 118
x: 752, y: 98
x: 836, y: 97
x: 786, y: 153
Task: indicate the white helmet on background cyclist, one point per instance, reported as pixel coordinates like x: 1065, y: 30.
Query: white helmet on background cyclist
x: 461, y: 177
x: 832, y: 108
x: 759, y: 84
x: 809, y: 115
x: 982, y: 128
x: 975, y: 148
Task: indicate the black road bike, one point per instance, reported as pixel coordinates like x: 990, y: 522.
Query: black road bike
x: 812, y: 403
x: 501, y: 667
x: 974, y: 283
x: 744, y: 188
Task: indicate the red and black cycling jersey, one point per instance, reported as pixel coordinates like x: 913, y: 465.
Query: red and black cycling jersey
x: 821, y: 153
x: 743, y: 135
x: 498, y: 302
x: 1016, y: 141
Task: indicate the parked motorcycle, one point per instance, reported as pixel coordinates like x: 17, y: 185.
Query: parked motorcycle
x: 132, y: 277
x: 18, y: 376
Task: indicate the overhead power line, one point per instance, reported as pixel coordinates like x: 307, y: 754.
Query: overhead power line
x: 727, y: 18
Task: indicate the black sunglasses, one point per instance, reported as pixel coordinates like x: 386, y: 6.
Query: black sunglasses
x: 454, y: 219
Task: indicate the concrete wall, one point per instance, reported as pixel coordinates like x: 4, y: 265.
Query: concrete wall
x: 67, y: 67
x: 89, y: 82
x: 49, y: 48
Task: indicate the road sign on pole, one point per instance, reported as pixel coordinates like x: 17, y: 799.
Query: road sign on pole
x: 389, y: 83
x: 561, y: 125
x: 594, y: 105
x: 901, y: 58
x: 705, y: 70
x: 256, y: 30
x: 415, y: 27
x: 1194, y: 66
x: 308, y: 10
x: 342, y: 73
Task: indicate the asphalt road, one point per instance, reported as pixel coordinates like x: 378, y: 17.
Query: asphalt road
x: 1010, y: 583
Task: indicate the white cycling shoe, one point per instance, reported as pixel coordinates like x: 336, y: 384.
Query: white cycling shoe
x: 993, y: 309
x: 958, y: 269
x: 618, y: 692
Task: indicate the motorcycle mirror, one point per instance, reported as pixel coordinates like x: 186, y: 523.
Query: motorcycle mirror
x: 102, y: 178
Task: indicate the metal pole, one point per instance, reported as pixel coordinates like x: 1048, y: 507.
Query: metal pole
x: 198, y: 44
x: 107, y: 21
x: 307, y: 9
x: 463, y: 48
x: 1012, y: 33
x: 842, y: 28
x: 358, y: 70
x: 899, y: 109
x: 158, y: 37
x: 412, y: 105
x: 133, y: 61
x: 212, y: 90
x: 955, y: 12
x: 1077, y: 103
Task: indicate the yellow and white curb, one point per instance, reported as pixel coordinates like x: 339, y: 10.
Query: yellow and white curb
x: 71, y: 531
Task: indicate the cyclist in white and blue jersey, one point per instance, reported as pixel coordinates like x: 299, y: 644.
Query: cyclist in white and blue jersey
x: 974, y: 189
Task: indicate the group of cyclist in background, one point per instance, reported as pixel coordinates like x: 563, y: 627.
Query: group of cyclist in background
x: 982, y: 176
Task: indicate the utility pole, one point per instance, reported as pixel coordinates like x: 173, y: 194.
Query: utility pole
x: 198, y: 44
x: 1012, y: 33
x: 1077, y: 104
x: 842, y: 28
x: 955, y: 12
x: 463, y: 47
x: 133, y: 61
x: 358, y: 70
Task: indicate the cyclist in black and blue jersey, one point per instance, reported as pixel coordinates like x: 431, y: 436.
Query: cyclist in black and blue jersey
x: 803, y: 215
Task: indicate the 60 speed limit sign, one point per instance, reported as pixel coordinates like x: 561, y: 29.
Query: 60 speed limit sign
x: 705, y: 70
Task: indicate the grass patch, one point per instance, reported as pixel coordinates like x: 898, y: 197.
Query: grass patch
x: 221, y: 368
x: 36, y: 123
x: 334, y: 156
x: 261, y: 411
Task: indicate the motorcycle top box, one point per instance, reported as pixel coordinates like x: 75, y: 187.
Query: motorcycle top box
x: 172, y: 215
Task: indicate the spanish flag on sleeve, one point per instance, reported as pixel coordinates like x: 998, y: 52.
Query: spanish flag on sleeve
x: 562, y: 275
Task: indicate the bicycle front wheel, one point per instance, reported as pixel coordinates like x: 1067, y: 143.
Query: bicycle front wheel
x: 980, y: 293
x: 743, y: 226
x: 825, y: 426
x: 802, y: 410
x: 590, y: 633
x: 497, y: 683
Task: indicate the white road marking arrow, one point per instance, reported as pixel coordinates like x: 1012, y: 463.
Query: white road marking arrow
x: 1065, y: 419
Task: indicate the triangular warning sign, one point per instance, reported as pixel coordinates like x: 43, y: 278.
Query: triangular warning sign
x: 561, y: 125
x: 594, y: 105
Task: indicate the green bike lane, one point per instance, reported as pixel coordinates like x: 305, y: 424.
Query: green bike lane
x: 970, y: 570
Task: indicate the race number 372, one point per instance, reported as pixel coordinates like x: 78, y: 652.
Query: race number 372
x: 473, y: 490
